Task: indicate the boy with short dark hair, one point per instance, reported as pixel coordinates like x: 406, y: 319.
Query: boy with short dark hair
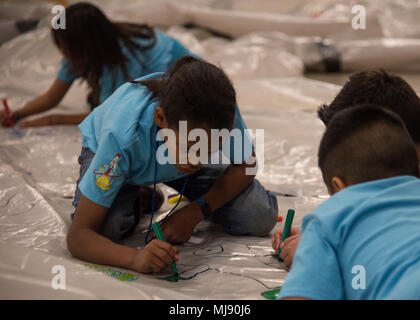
x: 382, y: 89
x: 374, y: 87
x: 363, y: 242
x: 122, y: 149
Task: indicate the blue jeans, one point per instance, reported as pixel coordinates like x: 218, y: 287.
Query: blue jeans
x: 253, y: 212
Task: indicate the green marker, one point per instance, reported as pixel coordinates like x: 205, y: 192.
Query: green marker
x: 159, y: 235
x: 287, y: 227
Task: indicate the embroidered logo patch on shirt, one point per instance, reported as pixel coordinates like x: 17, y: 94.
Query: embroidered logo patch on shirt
x: 107, y: 173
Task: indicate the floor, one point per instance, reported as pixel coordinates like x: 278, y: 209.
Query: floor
x: 38, y: 167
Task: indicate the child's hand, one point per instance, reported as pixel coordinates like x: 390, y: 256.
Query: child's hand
x: 38, y: 122
x: 288, y: 249
x: 179, y: 226
x: 4, y: 120
x: 154, y: 257
x: 275, y: 241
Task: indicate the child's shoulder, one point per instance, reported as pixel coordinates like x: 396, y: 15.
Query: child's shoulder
x: 355, y: 200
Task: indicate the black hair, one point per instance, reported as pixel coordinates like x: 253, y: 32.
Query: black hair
x: 195, y: 91
x: 380, y: 88
x: 91, y: 42
x: 366, y: 143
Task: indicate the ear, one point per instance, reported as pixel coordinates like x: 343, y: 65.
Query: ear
x: 337, y: 184
x: 159, y: 117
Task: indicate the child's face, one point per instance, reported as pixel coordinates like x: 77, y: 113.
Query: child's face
x: 191, y: 144
x: 189, y: 155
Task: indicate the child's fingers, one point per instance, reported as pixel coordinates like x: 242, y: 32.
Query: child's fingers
x: 25, y: 124
x: 170, y: 249
x: 294, y: 231
x: 288, y: 260
x: 163, y: 255
x: 159, y: 263
x: 288, y: 240
x: 287, y: 257
x: 287, y: 252
x: 276, y: 240
x: 156, y: 265
x: 283, y: 254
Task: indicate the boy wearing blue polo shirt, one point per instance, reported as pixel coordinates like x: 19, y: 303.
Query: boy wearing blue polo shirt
x: 121, y: 152
x: 363, y: 242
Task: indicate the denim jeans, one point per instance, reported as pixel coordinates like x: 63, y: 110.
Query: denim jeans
x: 253, y: 212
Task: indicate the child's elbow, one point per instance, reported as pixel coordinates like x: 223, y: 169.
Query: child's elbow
x: 72, y: 240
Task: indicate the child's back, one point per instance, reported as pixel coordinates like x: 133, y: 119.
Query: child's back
x: 369, y: 238
x: 363, y: 242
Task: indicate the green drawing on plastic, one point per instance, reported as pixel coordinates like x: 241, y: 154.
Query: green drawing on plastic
x: 119, y: 275
x: 271, y: 294
x: 187, y: 274
x: 172, y: 278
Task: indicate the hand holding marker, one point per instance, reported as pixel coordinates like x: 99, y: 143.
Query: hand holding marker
x: 287, y: 227
x: 159, y: 235
x: 7, y: 113
x: 9, y: 118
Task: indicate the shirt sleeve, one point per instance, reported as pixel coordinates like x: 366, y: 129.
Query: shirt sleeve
x: 315, y: 272
x: 239, y: 146
x: 64, y: 73
x: 106, y: 174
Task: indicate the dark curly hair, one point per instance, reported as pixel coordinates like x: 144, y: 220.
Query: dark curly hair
x: 380, y: 88
x: 365, y: 143
x: 195, y: 91
x: 92, y: 42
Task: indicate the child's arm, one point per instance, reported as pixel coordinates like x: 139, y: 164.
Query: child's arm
x: 316, y: 271
x: 231, y: 183
x: 85, y: 242
x: 44, y: 102
x: 179, y: 227
x: 54, y: 119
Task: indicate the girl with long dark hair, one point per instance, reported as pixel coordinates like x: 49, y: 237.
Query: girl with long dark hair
x: 103, y: 53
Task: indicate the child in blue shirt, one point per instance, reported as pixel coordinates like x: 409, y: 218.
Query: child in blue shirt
x: 105, y: 55
x: 122, y: 151
x: 364, y: 241
x: 372, y: 86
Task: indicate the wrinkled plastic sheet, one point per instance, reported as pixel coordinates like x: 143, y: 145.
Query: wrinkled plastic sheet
x: 288, y: 38
x: 38, y: 172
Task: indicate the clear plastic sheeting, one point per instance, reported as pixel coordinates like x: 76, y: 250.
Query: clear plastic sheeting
x: 390, y: 39
x: 39, y: 169
x: 20, y: 16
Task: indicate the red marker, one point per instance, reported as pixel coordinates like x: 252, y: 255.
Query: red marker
x: 7, y: 111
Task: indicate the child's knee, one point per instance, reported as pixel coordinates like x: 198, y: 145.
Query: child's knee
x: 264, y: 219
x: 257, y: 220
x: 118, y: 226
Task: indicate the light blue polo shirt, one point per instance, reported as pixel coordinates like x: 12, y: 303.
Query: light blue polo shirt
x: 362, y: 243
x: 159, y: 58
x: 122, y: 134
